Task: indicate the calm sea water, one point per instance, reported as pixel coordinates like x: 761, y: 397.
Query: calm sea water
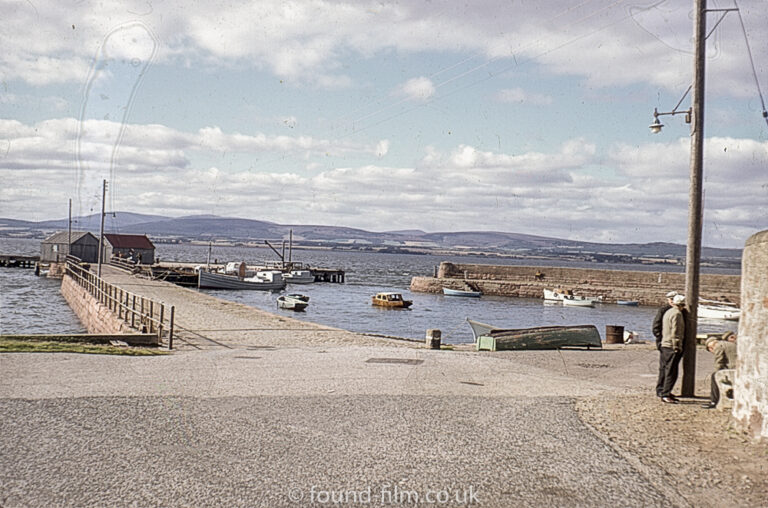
x: 33, y: 304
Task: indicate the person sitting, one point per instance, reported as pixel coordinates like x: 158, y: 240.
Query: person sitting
x: 725, y: 358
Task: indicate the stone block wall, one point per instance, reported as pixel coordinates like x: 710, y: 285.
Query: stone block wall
x: 521, y: 281
x: 750, y: 405
x: 95, y: 317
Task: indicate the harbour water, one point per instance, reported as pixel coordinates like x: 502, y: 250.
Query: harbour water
x: 32, y: 304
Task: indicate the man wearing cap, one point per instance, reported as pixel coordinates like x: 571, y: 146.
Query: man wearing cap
x: 725, y: 358
x: 672, y: 336
x: 657, y: 329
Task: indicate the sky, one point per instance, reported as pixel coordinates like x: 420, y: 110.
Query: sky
x: 524, y: 116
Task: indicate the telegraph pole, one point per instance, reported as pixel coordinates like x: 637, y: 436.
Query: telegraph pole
x: 69, y: 229
x: 693, y: 250
x: 101, y: 231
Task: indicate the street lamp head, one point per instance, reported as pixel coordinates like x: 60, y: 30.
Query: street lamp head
x: 656, y: 125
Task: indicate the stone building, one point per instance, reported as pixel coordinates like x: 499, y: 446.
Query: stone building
x: 137, y: 247
x: 57, y: 246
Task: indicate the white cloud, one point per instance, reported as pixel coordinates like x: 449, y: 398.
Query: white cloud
x: 307, y: 41
x: 418, y: 89
x: 520, y: 95
x: 639, y: 194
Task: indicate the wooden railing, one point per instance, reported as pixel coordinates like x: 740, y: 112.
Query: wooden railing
x: 140, y: 313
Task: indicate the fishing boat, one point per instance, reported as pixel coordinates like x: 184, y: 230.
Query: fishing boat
x: 293, y: 301
x: 491, y: 338
x: 264, y: 281
x: 558, y: 295
x: 392, y: 300
x: 631, y: 303
x: 299, y: 277
x: 572, y: 301
x: 711, y: 309
x: 462, y: 292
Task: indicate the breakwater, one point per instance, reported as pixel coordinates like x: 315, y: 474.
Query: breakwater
x: 648, y: 288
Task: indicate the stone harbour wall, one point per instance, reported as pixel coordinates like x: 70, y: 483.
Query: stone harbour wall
x: 750, y: 404
x: 95, y: 317
x: 646, y: 287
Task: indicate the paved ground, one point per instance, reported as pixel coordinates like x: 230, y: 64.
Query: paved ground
x: 275, y: 413
x: 286, y: 426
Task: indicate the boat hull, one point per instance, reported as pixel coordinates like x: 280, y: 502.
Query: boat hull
x: 295, y: 304
x: 459, y: 292
x: 488, y: 337
x: 212, y: 280
x: 716, y: 312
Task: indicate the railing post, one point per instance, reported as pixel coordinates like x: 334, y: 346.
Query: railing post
x: 151, y: 315
x: 133, y: 312
x: 160, y: 324
x: 170, y: 333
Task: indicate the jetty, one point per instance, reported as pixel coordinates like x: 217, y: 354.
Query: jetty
x: 16, y: 261
x: 646, y: 287
x: 199, y: 321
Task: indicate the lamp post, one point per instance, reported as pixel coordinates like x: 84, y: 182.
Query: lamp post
x: 694, y: 116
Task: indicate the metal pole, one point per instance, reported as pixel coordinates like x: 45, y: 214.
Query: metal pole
x: 69, y: 230
x: 101, y: 231
x: 693, y: 250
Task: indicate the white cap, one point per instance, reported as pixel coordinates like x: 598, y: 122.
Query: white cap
x: 671, y: 294
x: 678, y: 300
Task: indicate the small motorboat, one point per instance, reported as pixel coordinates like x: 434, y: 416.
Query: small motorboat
x: 293, y: 301
x: 462, y: 292
x: 299, y: 277
x: 391, y: 300
x: 632, y: 303
x: 571, y: 301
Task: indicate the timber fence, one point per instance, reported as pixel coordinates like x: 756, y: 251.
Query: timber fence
x: 140, y: 313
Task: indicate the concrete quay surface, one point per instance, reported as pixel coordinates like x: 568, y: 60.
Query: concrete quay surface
x: 264, y: 412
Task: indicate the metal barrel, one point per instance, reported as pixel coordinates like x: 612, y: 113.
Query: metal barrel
x: 614, y: 334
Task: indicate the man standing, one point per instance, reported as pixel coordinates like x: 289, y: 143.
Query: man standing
x: 725, y: 358
x: 657, y: 329
x: 672, y: 336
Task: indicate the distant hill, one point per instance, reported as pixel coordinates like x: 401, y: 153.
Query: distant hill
x: 214, y: 228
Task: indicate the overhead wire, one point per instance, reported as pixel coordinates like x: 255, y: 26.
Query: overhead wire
x: 751, y: 61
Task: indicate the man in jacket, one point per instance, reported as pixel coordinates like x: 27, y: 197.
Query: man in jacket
x: 657, y: 329
x: 671, y: 351
x: 725, y: 358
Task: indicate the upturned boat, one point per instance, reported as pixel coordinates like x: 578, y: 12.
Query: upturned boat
x: 492, y: 338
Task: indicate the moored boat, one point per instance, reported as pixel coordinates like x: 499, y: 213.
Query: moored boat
x: 572, y: 301
x: 462, y: 292
x: 631, y: 303
x: 558, y: 295
x: 264, y: 281
x: 392, y: 300
x: 293, y: 301
x: 491, y: 338
x: 299, y: 277
x: 724, y: 312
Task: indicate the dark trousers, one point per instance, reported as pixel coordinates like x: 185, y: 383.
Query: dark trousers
x: 668, y: 365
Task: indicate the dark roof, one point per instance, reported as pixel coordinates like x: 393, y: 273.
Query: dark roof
x: 63, y: 237
x: 129, y: 241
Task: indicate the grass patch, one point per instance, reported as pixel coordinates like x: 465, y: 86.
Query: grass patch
x: 23, y: 346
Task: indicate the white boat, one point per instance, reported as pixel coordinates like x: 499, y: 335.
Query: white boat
x: 714, y: 311
x: 559, y: 295
x: 461, y: 292
x: 265, y: 281
x: 572, y: 301
x: 299, y: 277
x: 294, y: 301
x: 631, y: 303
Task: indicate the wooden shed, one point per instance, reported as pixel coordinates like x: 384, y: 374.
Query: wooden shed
x: 57, y: 246
x: 132, y: 247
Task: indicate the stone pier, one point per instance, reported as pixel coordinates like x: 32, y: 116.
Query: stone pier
x: 530, y: 281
